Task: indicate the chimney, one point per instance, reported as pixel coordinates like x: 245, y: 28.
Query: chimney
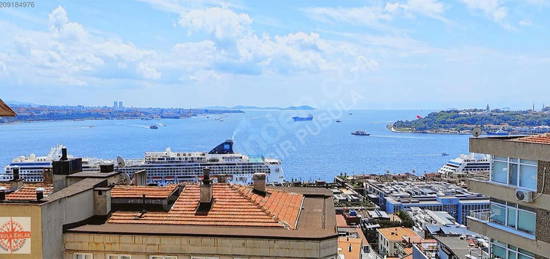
x: 106, y: 168
x: 64, y: 154
x: 15, y: 173
x: 39, y: 193
x: 2, y: 193
x: 259, y: 182
x: 206, y: 188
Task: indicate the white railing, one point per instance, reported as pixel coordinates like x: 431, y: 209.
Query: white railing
x: 482, y: 215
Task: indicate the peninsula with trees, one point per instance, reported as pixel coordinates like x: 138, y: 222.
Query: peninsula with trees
x: 491, y: 122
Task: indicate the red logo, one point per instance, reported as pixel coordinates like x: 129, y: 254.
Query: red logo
x: 13, y: 236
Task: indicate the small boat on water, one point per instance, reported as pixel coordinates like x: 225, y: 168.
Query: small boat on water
x: 444, y: 154
x: 153, y: 127
x: 498, y: 133
x: 360, y: 133
x: 338, y: 121
x: 298, y: 118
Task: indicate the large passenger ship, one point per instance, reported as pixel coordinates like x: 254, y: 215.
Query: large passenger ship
x: 164, y: 167
x: 476, y: 164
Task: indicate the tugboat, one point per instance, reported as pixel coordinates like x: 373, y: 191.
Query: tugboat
x: 360, y: 133
x: 153, y: 127
x: 338, y: 121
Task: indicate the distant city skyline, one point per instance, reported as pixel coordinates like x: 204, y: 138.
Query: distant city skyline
x: 395, y: 54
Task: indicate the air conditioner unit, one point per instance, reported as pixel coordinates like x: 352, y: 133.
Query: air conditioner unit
x: 523, y: 195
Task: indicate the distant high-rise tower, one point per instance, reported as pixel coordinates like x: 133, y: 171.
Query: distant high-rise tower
x: 115, y: 104
x: 120, y: 105
x: 488, y: 109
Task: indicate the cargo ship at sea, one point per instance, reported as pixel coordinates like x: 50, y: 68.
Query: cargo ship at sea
x: 165, y: 167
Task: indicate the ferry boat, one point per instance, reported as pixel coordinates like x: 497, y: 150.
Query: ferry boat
x: 498, y: 133
x: 467, y: 164
x: 360, y: 133
x: 153, y: 127
x: 298, y: 118
x: 165, y: 167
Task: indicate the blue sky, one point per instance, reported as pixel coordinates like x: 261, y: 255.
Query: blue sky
x: 396, y: 54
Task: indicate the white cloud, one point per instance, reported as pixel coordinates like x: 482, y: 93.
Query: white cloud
x: 494, y: 9
x: 223, y: 23
x: 377, y: 16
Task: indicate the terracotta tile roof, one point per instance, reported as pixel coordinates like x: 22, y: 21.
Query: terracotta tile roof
x: 232, y: 206
x: 398, y: 234
x: 344, y: 244
x: 341, y: 221
x: 5, y: 110
x: 28, y: 191
x: 536, y: 139
x: 129, y: 191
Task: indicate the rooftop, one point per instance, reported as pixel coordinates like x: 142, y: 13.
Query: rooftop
x: 350, y: 247
x: 535, y: 139
x: 5, y: 110
x: 232, y: 206
x: 129, y: 191
x: 399, y: 233
x: 27, y: 192
x: 237, y: 211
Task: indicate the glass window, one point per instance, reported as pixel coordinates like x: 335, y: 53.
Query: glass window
x: 499, y: 172
x: 513, y: 174
x: 498, y: 213
x: 498, y: 251
x: 512, y: 254
x: 529, y: 162
x: 527, y: 221
x: 528, y: 177
x: 511, y: 217
x: 82, y: 256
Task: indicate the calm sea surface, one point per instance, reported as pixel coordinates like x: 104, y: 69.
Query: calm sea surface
x: 318, y: 149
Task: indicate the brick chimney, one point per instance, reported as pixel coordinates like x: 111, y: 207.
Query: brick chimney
x: 259, y: 180
x: 47, y: 176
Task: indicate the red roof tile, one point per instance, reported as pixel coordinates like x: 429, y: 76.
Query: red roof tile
x: 536, y: 139
x: 28, y: 191
x: 129, y: 191
x: 232, y: 206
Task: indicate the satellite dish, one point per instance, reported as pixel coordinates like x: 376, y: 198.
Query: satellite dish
x: 476, y: 132
x: 120, y: 161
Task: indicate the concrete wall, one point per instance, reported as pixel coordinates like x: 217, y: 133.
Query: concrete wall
x: 502, y: 147
x: 60, y: 212
x: 26, y: 210
x: 142, y: 246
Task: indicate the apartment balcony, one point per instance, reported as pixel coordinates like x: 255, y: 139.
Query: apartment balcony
x: 479, y: 222
x: 507, y: 193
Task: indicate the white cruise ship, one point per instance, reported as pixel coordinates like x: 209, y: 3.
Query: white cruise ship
x: 467, y: 164
x: 166, y: 167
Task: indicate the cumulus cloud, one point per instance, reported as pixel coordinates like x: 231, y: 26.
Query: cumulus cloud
x: 223, y: 23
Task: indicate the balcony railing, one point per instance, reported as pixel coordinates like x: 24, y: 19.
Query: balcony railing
x: 480, y: 215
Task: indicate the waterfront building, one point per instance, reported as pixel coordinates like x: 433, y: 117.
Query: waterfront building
x: 76, y: 214
x: 436, y: 196
x: 518, y: 222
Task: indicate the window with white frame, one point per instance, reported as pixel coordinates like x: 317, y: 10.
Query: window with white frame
x: 513, y: 216
x: 119, y: 257
x: 504, y: 251
x: 163, y: 257
x: 82, y: 256
x: 516, y: 172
